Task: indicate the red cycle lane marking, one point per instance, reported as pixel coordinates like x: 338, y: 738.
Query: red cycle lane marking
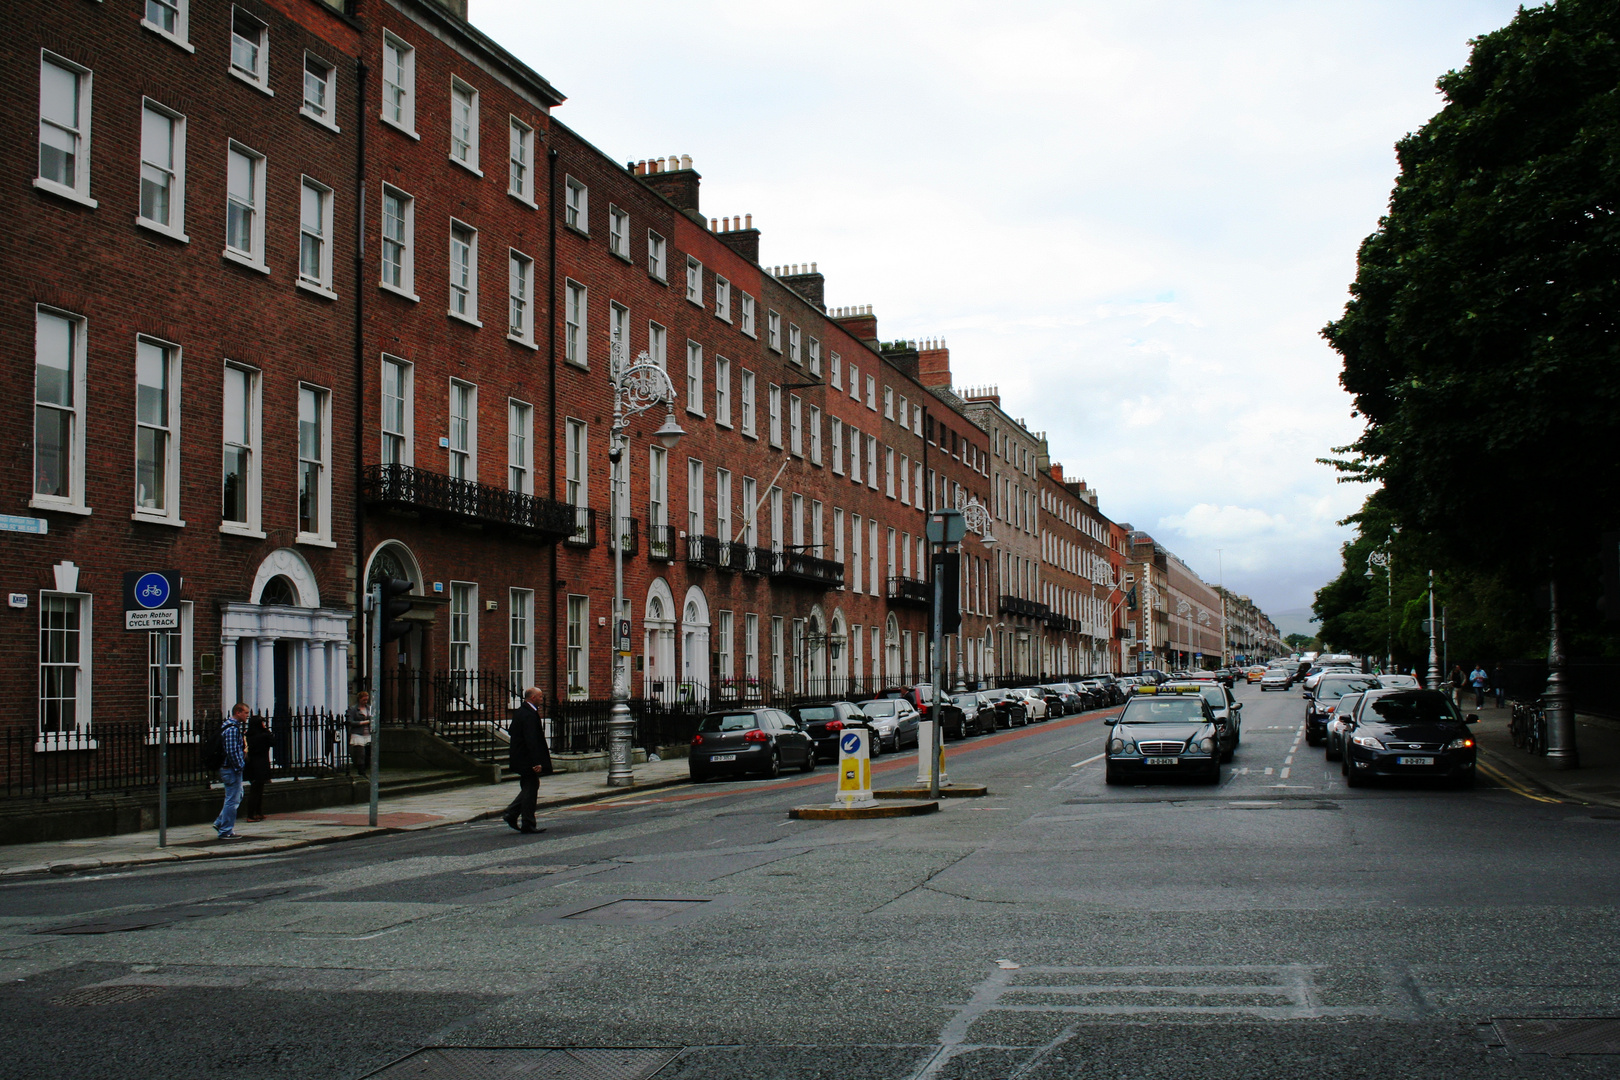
x: 882, y: 767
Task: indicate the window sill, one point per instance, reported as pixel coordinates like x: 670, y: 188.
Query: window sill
x: 695, y: 301
x: 699, y: 413
x: 307, y: 113
x: 311, y: 540
x: 750, y: 333
x: 37, y: 503
x: 401, y: 128
x: 723, y: 423
x: 723, y: 318
x: 61, y: 191
x: 319, y: 290
x: 397, y: 291
x: 162, y: 230
x: 154, y: 519
x: 524, y: 199
x: 232, y: 255
x: 661, y: 280
x: 64, y: 742
x: 577, y: 231
x: 475, y: 170
x: 576, y: 364
x: 456, y: 315
x: 525, y: 342
x: 166, y: 36
x: 241, y: 530
x: 623, y: 256
x: 257, y: 84
x: 750, y: 435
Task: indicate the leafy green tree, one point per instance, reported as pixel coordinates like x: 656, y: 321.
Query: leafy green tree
x: 1482, y: 339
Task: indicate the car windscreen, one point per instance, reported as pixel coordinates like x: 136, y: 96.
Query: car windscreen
x: 1158, y: 710
x: 1398, y: 682
x: 966, y: 701
x: 1412, y: 707
x: 1334, y: 689
x: 1215, y: 695
x: 821, y: 712
x: 729, y: 722
x: 880, y: 708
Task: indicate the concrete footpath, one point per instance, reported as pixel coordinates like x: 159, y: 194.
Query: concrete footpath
x: 279, y: 832
x: 1596, y: 782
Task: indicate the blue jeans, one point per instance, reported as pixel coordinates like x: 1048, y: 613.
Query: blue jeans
x: 226, y: 822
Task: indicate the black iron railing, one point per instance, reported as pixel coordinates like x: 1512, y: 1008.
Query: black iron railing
x: 411, y: 488
x: 584, y: 534
x: 113, y: 758
x: 757, y: 561
x: 733, y: 556
x: 702, y: 551
x: 661, y: 542
x: 629, y: 529
x: 801, y: 569
x: 910, y: 591
x: 1018, y: 606
x: 1061, y: 623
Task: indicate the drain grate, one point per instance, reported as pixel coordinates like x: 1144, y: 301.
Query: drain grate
x: 530, y: 1063
x: 107, y: 995
x: 1589, y: 1035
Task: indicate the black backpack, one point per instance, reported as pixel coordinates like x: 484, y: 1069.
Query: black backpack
x: 213, y: 750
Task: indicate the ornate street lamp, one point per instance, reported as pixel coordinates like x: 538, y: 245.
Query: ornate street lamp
x: 977, y: 517
x: 636, y: 388
x: 1385, y: 559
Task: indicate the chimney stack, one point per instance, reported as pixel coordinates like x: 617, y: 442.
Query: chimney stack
x: 678, y: 182
x: 740, y: 236
x: 934, y: 364
x: 806, y: 281
x: 858, y: 321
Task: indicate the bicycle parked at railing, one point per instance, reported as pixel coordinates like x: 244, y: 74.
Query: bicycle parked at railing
x: 1528, y: 726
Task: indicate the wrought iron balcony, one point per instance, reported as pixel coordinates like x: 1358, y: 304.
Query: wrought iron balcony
x: 1018, y: 606
x: 702, y: 551
x: 584, y: 528
x: 1061, y: 623
x: 661, y: 542
x: 629, y: 528
x: 733, y: 556
x: 407, y: 487
x: 910, y: 591
x: 804, y: 569
x: 757, y: 560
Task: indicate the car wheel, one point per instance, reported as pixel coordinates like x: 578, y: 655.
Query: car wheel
x: 773, y: 768
x: 1214, y: 777
x: 1464, y: 781
x: 1332, y: 749
x: 809, y: 761
x: 1111, y: 775
x: 1354, y: 778
x: 698, y: 775
x: 1344, y: 762
x: 1227, y: 757
x: 874, y: 746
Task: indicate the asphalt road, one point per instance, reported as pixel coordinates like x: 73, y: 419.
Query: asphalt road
x: 1278, y: 925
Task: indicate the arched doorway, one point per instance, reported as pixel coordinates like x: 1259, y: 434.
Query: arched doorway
x: 281, y: 651
x: 838, y: 656
x: 891, y: 649
x: 695, y: 647
x: 658, y: 650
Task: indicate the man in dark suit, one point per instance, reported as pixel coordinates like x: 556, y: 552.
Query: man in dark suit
x: 530, y: 758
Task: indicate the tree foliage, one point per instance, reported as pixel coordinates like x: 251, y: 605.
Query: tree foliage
x: 1480, y: 340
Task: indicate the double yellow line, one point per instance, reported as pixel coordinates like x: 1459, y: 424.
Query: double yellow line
x: 1501, y: 779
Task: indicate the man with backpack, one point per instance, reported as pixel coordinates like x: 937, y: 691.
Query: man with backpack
x: 230, y: 753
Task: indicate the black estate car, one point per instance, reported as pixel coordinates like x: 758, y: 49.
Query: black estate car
x: 1408, y: 733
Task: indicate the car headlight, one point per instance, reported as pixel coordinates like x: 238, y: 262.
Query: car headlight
x: 1207, y: 744
x: 1368, y: 741
x: 1116, y: 746
x: 1460, y: 744
x: 1126, y: 747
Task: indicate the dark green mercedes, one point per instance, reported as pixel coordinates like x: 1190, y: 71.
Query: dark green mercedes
x: 1163, y: 734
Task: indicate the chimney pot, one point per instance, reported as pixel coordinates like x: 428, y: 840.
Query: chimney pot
x: 813, y: 268
x: 686, y: 161
x: 749, y: 219
x: 714, y: 225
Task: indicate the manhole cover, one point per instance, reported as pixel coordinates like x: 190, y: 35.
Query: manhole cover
x: 530, y: 1063
x: 1590, y: 1035
x: 634, y: 911
x: 107, y: 995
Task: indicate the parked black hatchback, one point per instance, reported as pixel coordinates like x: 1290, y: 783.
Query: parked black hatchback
x: 824, y: 723
x: 760, y: 741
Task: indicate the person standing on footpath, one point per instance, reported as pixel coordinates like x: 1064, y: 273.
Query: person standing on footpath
x: 530, y: 758
x: 1456, y: 684
x: 1479, y: 678
x: 257, y: 773
x: 230, y: 770
x: 359, y: 725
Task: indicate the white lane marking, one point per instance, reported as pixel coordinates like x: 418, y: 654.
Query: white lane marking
x: 1290, y: 760
x: 1283, y: 775
x: 1088, y: 761
x: 1269, y: 770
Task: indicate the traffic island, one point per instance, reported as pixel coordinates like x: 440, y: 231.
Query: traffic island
x: 892, y: 808
x: 946, y: 791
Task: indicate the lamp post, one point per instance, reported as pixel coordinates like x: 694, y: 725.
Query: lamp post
x: 636, y: 388
x: 1184, y: 609
x: 977, y: 518
x: 1433, y: 682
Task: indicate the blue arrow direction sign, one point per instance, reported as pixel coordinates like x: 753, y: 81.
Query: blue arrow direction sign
x: 151, y: 600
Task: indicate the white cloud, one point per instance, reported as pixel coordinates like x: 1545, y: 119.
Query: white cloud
x: 1133, y: 218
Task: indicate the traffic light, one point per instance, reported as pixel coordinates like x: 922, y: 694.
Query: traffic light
x: 395, y: 603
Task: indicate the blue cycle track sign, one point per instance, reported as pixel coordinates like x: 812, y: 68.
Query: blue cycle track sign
x: 151, y: 600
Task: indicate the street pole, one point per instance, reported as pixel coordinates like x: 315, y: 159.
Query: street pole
x: 1434, y: 655
x: 1561, y: 749
x: 376, y: 697
x: 163, y: 738
x: 937, y: 674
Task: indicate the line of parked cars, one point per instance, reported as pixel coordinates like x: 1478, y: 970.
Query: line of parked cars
x: 763, y: 741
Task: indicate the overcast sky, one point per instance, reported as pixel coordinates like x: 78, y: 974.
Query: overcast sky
x: 1132, y: 217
